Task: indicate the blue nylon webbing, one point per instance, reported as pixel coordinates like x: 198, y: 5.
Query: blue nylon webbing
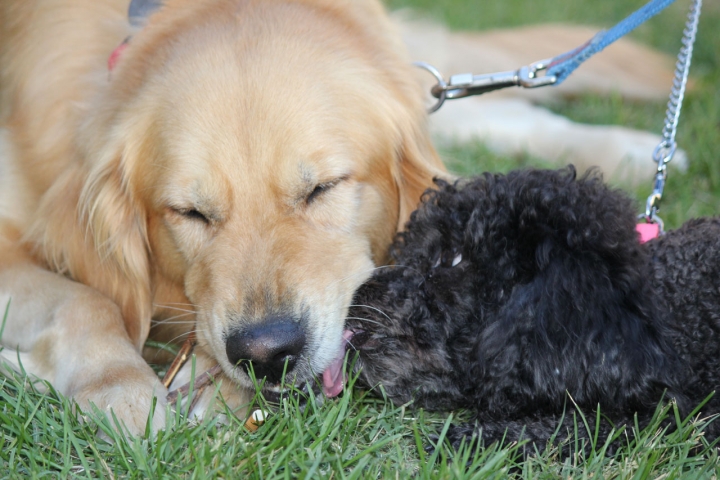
x: 563, y: 65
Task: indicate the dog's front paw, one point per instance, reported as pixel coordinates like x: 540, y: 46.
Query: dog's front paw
x: 125, y: 395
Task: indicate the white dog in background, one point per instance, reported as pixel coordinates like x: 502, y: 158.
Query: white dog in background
x: 513, y: 120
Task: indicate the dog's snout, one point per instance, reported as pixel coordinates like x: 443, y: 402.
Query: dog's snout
x: 269, y: 346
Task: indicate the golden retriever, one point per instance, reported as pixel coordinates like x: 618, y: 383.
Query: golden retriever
x: 246, y: 160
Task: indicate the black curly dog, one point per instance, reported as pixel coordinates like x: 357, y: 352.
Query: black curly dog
x: 511, y: 292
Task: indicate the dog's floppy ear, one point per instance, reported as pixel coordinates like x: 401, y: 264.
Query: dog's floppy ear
x: 116, y: 226
x: 418, y: 165
x: 90, y: 228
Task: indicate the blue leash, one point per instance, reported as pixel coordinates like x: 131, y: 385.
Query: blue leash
x: 563, y: 65
x: 557, y: 69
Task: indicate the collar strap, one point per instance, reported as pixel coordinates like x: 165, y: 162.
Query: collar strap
x: 647, y: 231
x: 117, y: 53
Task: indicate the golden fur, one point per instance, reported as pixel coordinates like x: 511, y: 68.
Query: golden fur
x: 236, y: 109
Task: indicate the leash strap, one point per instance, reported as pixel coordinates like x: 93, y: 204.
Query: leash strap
x: 563, y: 65
x: 556, y: 69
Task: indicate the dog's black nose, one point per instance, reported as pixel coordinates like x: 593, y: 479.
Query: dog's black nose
x: 269, y: 346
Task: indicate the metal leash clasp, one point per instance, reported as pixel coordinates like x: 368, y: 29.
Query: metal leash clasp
x: 662, y: 155
x: 466, y: 84
x: 652, y: 205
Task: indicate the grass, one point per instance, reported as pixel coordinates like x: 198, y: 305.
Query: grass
x: 360, y: 434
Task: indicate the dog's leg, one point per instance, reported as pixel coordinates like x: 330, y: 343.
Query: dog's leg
x: 72, y: 336
x: 548, y: 136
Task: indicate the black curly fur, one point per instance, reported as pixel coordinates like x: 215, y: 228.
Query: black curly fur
x: 553, y: 295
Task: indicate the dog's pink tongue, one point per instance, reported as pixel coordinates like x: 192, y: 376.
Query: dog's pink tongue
x: 334, y: 376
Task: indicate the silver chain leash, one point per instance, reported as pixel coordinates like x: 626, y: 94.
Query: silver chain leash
x: 665, y: 150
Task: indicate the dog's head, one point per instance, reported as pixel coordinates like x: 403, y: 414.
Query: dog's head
x: 253, y: 159
x: 412, y: 322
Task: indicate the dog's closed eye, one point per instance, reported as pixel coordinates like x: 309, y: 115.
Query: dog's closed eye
x: 322, y: 188
x: 317, y: 191
x: 191, y: 214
